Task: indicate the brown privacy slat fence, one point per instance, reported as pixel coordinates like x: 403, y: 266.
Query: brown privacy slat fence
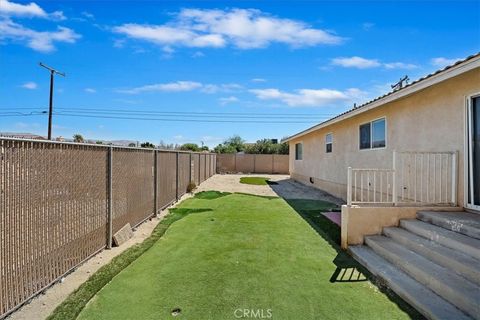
x: 54, y: 204
x: 252, y: 163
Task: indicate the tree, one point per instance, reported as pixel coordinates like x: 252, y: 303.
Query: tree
x: 190, y: 147
x: 222, y: 148
x: 283, y: 148
x: 267, y: 146
x: 99, y: 142
x: 78, y: 138
x: 147, y: 145
x: 132, y: 144
x: 233, y: 144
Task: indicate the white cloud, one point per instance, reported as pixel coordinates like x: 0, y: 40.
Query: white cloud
x: 10, y: 9
x: 400, y: 65
x: 227, y: 87
x: 178, y: 86
x: 367, y: 26
x: 241, y: 28
x: 29, y: 85
x: 258, y: 80
x: 227, y: 100
x: 363, y: 63
x: 90, y: 90
x: 356, y: 62
x: 198, y: 54
x: 443, y: 62
x: 88, y: 15
x: 42, y: 41
x: 309, y: 97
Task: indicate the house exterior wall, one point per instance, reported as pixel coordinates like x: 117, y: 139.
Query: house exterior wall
x: 432, y: 119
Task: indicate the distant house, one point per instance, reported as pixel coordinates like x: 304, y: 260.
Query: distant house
x: 20, y: 135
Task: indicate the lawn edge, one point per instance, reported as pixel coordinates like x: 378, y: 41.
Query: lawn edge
x: 73, y: 305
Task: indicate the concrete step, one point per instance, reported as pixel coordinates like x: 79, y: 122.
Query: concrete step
x: 447, y: 238
x: 462, y: 293
x: 463, y: 264
x: 461, y: 222
x: 428, y: 303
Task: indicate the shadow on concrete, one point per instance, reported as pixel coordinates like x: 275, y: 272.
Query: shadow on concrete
x: 291, y: 189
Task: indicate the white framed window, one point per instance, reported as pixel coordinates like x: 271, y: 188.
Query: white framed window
x: 373, y: 135
x: 328, y: 142
x: 298, y: 151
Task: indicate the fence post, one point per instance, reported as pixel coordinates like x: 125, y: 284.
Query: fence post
x: 273, y: 163
x: 349, y: 186
x: 109, y: 213
x: 394, y: 178
x: 176, y: 180
x: 199, y: 180
x: 155, y: 182
x: 454, y: 177
x: 190, y: 174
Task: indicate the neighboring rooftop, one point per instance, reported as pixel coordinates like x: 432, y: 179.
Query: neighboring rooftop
x: 450, y: 71
x: 21, y: 135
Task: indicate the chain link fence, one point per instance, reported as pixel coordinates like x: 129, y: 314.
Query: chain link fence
x: 60, y: 203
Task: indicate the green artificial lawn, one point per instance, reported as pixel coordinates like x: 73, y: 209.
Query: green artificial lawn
x: 239, y: 251
x: 258, y: 181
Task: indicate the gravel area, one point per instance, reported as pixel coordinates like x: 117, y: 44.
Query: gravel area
x: 284, y: 187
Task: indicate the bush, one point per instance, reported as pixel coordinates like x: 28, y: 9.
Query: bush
x: 191, y: 186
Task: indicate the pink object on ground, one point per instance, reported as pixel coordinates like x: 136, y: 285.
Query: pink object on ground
x: 335, y: 217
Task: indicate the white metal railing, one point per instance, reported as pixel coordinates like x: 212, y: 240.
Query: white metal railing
x: 416, y: 178
x: 370, y: 186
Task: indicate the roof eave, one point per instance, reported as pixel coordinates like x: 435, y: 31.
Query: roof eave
x: 451, y: 72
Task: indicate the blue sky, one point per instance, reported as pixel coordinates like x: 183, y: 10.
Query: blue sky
x: 267, y: 61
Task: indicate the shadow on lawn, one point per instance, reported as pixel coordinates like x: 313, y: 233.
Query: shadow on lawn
x: 347, y: 268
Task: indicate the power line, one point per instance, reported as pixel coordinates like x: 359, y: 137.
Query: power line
x: 181, y: 120
x: 199, y: 116
x: 198, y: 113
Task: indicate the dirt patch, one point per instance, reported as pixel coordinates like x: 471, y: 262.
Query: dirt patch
x: 280, y: 186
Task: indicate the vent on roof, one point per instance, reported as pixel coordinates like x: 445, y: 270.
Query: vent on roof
x: 400, y: 84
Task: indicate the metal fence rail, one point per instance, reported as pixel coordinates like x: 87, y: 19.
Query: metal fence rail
x: 416, y: 178
x: 252, y: 163
x: 55, y: 204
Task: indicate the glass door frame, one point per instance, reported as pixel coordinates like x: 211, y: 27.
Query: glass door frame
x: 469, y: 189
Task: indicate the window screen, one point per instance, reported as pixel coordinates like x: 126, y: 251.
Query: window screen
x: 365, y: 136
x: 298, y: 151
x: 328, y: 143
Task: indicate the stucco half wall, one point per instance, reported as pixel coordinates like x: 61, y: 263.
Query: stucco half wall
x: 432, y: 119
x: 358, y: 222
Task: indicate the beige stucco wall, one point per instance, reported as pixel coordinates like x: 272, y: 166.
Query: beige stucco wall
x: 430, y: 120
x: 358, y: 222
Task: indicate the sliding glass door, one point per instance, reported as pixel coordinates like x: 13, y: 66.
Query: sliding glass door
x: 474, y: 153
